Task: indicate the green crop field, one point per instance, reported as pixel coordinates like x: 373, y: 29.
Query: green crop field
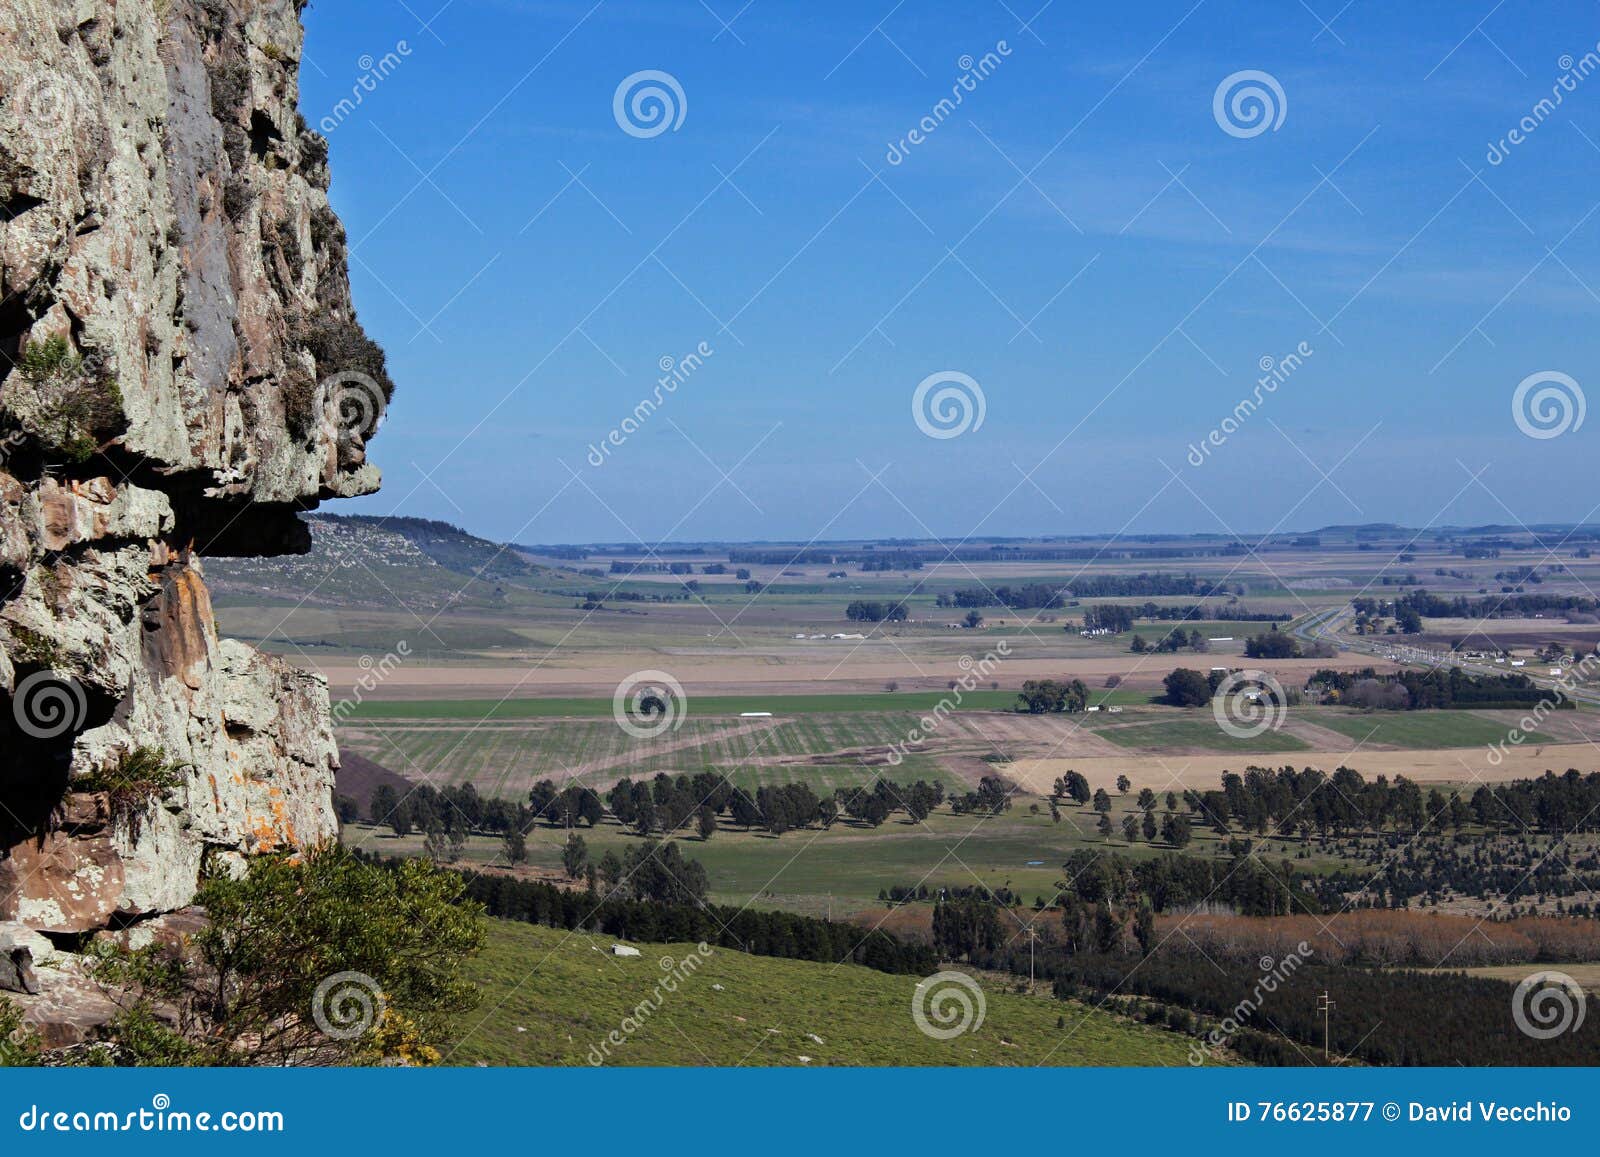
x: 1417, y: 729
x: 1202, y: 734
x: 553, y: 998
x: 506, y: 759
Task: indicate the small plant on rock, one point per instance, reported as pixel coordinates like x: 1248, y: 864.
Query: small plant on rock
x: 74, y: 403
x: 140, y: 778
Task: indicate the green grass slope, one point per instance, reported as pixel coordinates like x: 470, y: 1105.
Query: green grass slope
x: 549, y: 997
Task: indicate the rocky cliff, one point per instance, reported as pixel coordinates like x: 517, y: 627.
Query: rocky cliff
x: 183, y: 372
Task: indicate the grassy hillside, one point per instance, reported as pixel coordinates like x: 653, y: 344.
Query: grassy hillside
x: 551, y: 996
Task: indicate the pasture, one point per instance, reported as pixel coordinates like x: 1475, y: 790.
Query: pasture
x: 553, y: 998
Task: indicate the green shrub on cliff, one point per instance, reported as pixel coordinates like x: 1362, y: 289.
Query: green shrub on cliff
x: 313, y: 959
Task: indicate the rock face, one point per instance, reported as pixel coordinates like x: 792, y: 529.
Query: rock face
x: 181, y: 372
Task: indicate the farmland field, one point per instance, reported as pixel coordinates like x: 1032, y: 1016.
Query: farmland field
x: 473, y: 710
x: 1201, y: 734
x: 1419, y: 729
x: 549, y: 997
x: 511, y: 682
x: 843, y: 868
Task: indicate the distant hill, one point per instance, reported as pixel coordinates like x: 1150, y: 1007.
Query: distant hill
x: 382, y: 562
x: 449, y: 546
x: 358, y: 777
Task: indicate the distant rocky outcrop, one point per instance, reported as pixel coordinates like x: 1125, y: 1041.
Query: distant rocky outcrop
x: 359, y: 777
x: 181, y: 374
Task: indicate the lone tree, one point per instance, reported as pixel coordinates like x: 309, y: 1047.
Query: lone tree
x: 384, y: 800
x: 515, y: 846
x: 1144, y: 927
x: 1123, y: 784
x: 575, y: 856
x: 1175, y: 830
x: 1187, y: 688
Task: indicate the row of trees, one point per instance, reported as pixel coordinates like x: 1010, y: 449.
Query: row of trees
x: 1287, y: 801
x: 663, y: 805
x: 761, y: 933
x: 1426, y: 1018
x: 1177, y: 640
x: 1120, y: 617
x: 1442, y: 688
x: 1273, y: 644
x: 426, y: 808
x: 867, y: 611
x: 1041, y: 596
x: 666, y: 804
x: 1511, y: 606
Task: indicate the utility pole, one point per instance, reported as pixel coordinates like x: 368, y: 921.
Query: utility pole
x: 1033, y: 937
x: 1325, y: 1007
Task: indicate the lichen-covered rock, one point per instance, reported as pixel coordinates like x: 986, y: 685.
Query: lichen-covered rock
x: 181, y: 373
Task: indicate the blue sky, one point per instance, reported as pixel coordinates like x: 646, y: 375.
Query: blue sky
x: 1080, y: 237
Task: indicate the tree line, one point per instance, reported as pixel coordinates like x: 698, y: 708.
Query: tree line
x: 1041, y: 596
x: 649, y: 921
x: 1120, y: 617
x: 870, y: 611
x: 1381, y: 1017
x: 1439, y: 688
x: 1507, y: 606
